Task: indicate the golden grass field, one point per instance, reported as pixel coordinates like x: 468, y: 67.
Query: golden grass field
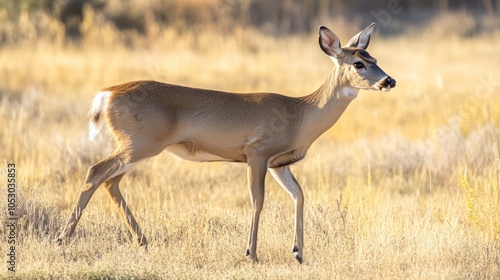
x: 405, y: 185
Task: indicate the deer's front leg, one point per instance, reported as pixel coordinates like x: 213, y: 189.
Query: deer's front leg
x: 256, y: 173
x: 285, y: 178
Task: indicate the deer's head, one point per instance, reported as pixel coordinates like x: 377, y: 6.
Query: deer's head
x: 357, y: 67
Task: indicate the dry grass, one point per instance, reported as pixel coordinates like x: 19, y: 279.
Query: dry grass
x: 406, y: 185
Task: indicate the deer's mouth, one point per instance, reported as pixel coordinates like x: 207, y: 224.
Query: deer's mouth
x: 384, y: 89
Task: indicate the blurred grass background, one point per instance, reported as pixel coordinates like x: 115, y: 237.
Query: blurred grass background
x: 405, y: 185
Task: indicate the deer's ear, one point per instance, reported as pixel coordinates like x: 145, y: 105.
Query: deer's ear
x: 362, y: 39
x: 329, y: 42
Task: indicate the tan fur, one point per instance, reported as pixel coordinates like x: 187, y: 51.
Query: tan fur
x: 265, y: 130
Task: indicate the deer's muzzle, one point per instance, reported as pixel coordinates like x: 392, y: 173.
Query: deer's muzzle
x: 386, y: 84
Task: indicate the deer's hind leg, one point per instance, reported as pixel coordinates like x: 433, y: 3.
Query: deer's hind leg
x: 112, y: 186
x: 111, y: 170
x: 100, y: 172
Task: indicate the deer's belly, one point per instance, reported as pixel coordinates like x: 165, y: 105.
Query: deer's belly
x: 200, y: 155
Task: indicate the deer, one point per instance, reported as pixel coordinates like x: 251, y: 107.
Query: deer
x: 267, y: 131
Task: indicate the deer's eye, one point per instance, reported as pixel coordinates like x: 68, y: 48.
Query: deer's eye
x: 358, y: 65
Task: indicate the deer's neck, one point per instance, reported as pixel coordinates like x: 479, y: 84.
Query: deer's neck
x: 326, y: 105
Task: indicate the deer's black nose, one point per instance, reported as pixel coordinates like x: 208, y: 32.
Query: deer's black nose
x: 390, y: 82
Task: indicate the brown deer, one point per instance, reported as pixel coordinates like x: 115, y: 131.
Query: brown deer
x: 268, y: 131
